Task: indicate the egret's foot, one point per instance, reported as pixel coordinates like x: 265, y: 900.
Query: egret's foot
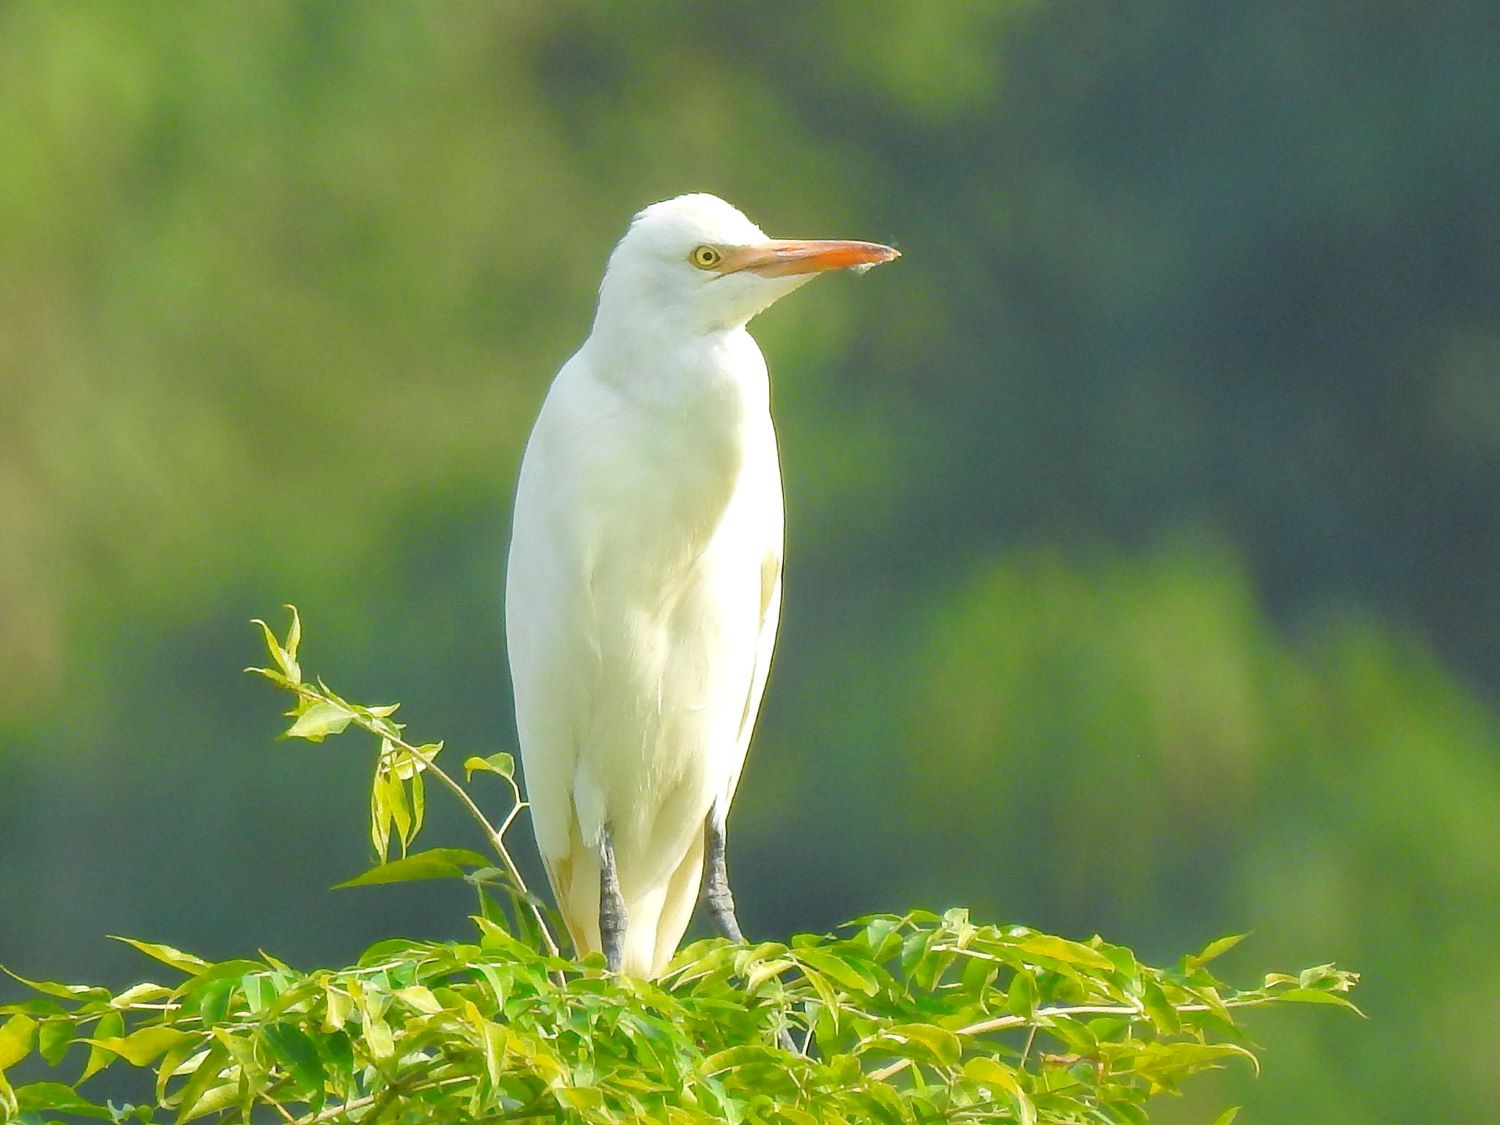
x: 611, y: 906
x: 716, y: 894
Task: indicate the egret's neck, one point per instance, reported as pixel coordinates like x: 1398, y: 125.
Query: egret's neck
x: 685, y: 412
x: 712, y: 377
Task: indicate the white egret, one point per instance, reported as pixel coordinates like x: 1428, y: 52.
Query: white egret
x: 644, y: 580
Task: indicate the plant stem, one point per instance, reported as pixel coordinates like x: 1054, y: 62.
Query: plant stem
x: 389, y: 732
x: 495, y: 835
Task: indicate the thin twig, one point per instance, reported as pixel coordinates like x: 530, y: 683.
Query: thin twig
x: 386, y: 730
x: 286, y: 1114
x: 496, y: 836
x: 1026, y: 1050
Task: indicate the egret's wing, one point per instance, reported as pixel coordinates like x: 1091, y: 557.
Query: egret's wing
x: 772, y: 522
x: 554, y: 661
x: 546, y: 663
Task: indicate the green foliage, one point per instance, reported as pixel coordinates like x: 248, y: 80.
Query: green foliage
x: 914, y: 1018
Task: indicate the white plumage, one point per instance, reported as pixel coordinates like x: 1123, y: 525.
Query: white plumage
x: 644, y: 581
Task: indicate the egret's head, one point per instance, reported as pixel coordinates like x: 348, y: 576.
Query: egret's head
x: 696, y: 264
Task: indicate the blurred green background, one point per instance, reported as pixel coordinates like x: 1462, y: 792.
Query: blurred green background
x: 1144, y: 520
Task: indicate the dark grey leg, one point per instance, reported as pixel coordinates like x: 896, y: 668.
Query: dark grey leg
x: 720, y: 902
x: 716, y: 894
x: 611, y: 905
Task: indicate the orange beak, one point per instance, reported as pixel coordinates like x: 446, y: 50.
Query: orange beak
x: 782, y: 258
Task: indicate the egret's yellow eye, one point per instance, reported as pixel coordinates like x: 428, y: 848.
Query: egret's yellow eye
x: 705, y: 257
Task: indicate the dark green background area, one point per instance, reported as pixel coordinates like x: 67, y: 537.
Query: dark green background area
x: 1144, y: 519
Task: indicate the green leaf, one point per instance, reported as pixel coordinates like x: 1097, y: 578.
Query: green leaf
x: 230, y: 970
x: 293, y: 639
x: 580, y: 1098
x: 145, y: 1045
x: 178, y: 1060
x: 299, y: 1055
x: 436, y: 863
x: 1314, y: 996
x: 378, y: 1038
x: 319, y: 721
x: 380, y: 814
x: 1159, y: 1008
x: 17, y: 1036
x: 205, y: 1076
x: 58, y: 1098
x: 1063, y: 950
x: 217, y: 1099
x: 1125, y: 964
x: 337, y: 1053
x: 1217, y: 948
x: 33, y: 1006
x: 502, y: 763
x: 1309, y: 978
x: 61, y: 991
x: 991, y: 1072
x: 997, y: 1076
x: 336, y: 1009
x: 1023, y: 995
x: 1228, y: 1116
x: 400, y: 807
x: 418, y: 810
x: 393, y: 949
x: 832, y: 1009
x: 419, y: 997
x: 54, y: 1037
x: 138, y: 994
x: 110, y: 1025
x: 286, y: 658
x: 763, y: 971
x: 938, y: 1042
x: 176, y: 958
x: 840, y: 970
x: 1163, y: 1060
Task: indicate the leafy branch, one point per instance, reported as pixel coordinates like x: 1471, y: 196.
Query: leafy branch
x: 397, y: 794
x: 905, y: 1020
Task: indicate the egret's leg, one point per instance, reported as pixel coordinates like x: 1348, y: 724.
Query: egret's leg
x: 720, y: 902
x: 611, y: 905
x: 716, y: 894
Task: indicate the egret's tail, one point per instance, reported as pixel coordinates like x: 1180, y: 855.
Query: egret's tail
x: 656, y: 916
